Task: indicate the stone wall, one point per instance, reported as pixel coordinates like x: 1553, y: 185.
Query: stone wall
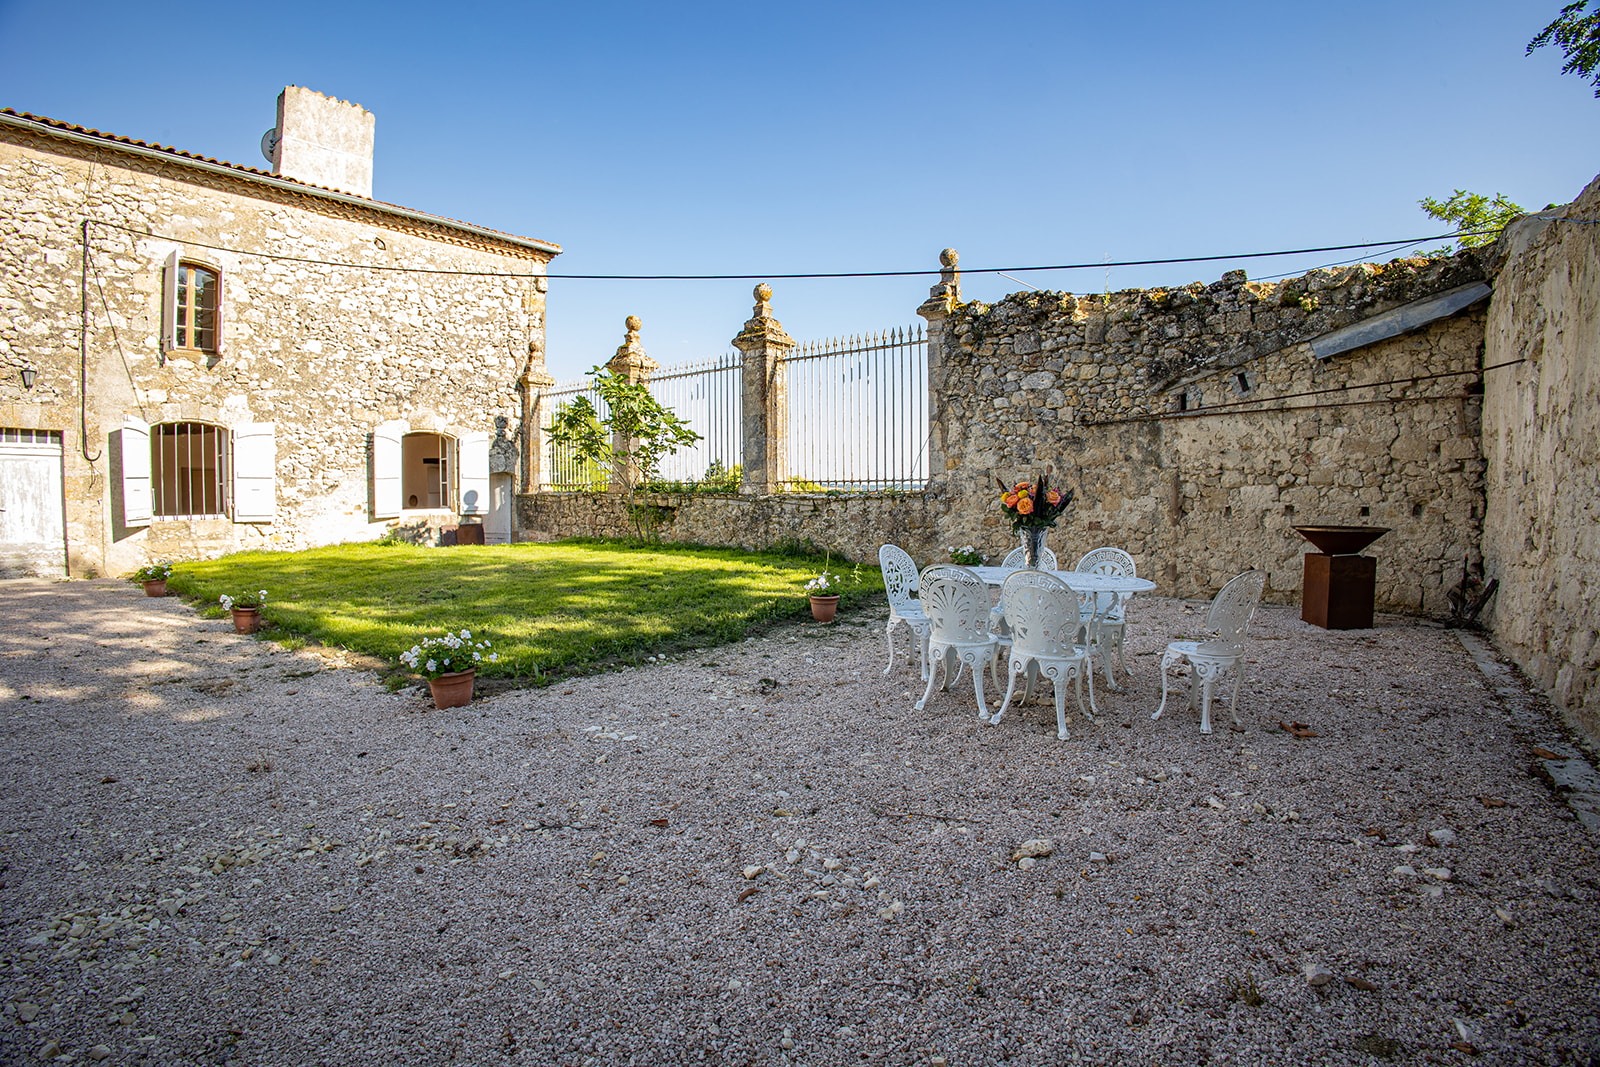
x: 1085, y: 388
x: 321, y: 335
x: 1541, y: 428
x: 850, y: 525
x: 1269, y: 436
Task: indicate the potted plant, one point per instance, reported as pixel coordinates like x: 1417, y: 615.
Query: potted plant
x: 154, y: 577
x: 245, y: 609
x: 967, y: 556
x: 450, y: 663
x: 824, y: 590
x: 1033, y: 509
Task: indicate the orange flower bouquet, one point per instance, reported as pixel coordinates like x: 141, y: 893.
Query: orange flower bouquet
x: 1035, y: 505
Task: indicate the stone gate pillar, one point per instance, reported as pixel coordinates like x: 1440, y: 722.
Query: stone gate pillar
x: 766, y: 398
x: 942, y: 300
x: 633, y: 366
x: 535, y: 382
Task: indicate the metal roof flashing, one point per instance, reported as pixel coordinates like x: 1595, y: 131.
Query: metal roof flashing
x: 1404, y: 319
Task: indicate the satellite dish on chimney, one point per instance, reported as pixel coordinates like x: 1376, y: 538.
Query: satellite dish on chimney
x: 269, y: 143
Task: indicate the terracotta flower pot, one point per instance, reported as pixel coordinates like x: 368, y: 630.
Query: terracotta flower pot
x: 246, y: 620
x: 452, y: 690
x: 823, y: 607
x: 155, y: 587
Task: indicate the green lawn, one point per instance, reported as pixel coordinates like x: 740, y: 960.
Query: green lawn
x: 550, y: 609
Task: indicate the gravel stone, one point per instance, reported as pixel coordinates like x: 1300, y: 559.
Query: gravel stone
x: 347, y: 875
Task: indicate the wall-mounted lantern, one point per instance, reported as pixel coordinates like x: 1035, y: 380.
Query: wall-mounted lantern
x: 28, y: 373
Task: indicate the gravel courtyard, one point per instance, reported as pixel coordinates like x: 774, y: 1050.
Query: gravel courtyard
x: 220, y: 851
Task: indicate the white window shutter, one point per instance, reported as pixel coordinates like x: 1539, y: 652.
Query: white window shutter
x: 134, y: 442
x: 255, y: 466
x: 169, y: 304
x: 386, y: 469
x: 475, y: 474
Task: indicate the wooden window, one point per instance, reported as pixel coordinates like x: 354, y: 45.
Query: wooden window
x: 197, y: 308
x: 191, y: 312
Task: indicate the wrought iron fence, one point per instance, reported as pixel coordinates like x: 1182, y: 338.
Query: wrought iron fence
x: 858, y: 412
x: 564, y: 468
x: 708, y: 395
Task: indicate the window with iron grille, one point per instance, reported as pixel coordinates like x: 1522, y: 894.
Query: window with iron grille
x: 189, y: 470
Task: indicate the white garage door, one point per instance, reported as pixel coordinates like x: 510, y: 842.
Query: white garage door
x: 32, y: 537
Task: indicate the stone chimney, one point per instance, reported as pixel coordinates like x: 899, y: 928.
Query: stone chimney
x: 323, y: 141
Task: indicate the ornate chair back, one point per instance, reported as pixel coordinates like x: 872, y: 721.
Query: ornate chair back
x: 1043, y: 614
x: 1018, y: 557
x: 899, y: 576
x: 1231, y: 610
x: 1108, y: 560
x: 956, y: 602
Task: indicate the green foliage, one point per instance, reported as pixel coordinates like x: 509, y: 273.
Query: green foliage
x: 1579, y: 37
x: 717, y: 479
x: 1477, y: 219
x: 802, y: 485
x: 154, y: 572
x: 550, y: 609
x: 633, y: 439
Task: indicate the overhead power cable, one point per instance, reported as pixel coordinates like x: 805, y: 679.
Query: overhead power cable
x: 780, y: 276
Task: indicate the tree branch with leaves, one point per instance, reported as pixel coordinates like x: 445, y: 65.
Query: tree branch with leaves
x: 1478, y: 220
x: 1578, y: 35
x: 632, y: 439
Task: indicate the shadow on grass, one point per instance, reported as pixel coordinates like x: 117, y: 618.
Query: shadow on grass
x: 550, y: 610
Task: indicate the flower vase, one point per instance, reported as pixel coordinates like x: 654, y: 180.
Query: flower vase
x: 452, y: 690
x: 1033, y: 545
x: 823, y: 608
x: 246, y: 620
x: 155, y: 587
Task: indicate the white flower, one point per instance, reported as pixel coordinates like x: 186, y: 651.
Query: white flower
x: 493, y: 656
x: 466, y: 635
x: 432, y: 664
x: 476, y: 656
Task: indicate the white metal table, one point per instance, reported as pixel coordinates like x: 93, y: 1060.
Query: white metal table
x: 1120, y: 586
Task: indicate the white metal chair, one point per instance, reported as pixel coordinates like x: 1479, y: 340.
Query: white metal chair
x: 956, y: 601
x: 1224, y: 648
x: 1018, y: 557
x: 1110, y: 609
x: 1045, y: 617
x: 900, y: 582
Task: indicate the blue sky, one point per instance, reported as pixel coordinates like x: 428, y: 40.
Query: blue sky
x: 766, y: 139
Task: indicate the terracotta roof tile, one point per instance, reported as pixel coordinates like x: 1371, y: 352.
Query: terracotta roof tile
x: 179, y: 153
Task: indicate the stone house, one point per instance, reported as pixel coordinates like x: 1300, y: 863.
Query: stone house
x: 198, y: 356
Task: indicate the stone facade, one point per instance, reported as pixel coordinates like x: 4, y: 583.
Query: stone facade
x: 1541, y: 426
x: 1198, y: 427
x: 342, y: 319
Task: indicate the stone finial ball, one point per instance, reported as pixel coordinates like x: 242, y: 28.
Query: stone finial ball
x: 634, y: 323
x: 949, y: 257
x: 763, y: 292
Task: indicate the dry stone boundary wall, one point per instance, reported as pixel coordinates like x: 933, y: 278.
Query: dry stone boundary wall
x: 1077, y: 386
x: 1541, y: 430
